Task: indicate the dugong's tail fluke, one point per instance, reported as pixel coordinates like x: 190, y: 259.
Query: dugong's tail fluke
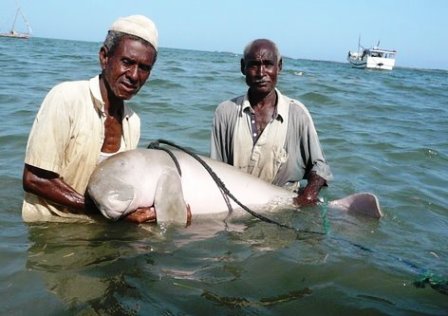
x: 359, y: 203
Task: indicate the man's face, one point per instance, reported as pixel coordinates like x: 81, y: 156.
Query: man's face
x: 128, y: 68
x: 261, y: 68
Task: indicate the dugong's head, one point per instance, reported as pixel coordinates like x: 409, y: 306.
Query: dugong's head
x: 138, y: 178
x: 111, y: 190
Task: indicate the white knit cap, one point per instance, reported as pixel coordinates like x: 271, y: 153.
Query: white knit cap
x: 139, y: 26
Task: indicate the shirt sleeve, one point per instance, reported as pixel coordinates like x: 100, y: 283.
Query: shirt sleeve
x: 222, y: 132
x: 215, y: 141
x: 316, y: 159
x: 49, y: 134
x: 304, y: 150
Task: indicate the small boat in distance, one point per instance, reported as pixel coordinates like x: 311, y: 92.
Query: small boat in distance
x: 372, y: 58
x: 15, y: 34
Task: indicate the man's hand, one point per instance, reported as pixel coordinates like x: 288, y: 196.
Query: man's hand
x: 149, y: 215
x: 142, y: 215
x: 305, y: 199
x: 309, y: 195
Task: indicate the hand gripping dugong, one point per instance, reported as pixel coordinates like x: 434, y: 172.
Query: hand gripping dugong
x: 150, y: 177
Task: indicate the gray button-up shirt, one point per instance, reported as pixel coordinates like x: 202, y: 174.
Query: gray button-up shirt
x: 302, y: 143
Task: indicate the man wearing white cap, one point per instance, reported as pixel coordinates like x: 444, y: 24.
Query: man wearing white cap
x: 80, y: 123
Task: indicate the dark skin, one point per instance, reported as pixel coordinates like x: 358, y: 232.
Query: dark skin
x: 261, y: 67
x: 123, y: 74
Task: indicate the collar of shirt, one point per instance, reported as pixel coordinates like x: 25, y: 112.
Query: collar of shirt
x: 281, y: 108
x: 94, y: 86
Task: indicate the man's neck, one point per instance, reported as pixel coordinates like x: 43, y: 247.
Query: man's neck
x: 261, y: 101
x: 112, y: 105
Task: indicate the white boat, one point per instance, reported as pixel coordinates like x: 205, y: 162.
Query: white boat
x: 15, y: 34
x: 372, y: 58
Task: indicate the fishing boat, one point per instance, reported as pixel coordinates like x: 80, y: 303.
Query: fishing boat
x: 14, y: 33
x: 372, y: 58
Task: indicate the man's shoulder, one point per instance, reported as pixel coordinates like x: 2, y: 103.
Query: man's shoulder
x: 298, y: 112
x: 230, y: 104
x: 297, y: 106
x: 72, y: 84
x: 229, y: 109
x: 68, y: 88
x: 68, y: 94
x: 233, y: 101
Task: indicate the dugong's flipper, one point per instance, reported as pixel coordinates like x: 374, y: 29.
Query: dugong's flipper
x: 169, y: 198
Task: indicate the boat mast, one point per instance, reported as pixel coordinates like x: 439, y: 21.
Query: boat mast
x: 14, y: 23
x: 26, y: 21
x: 19, y: 10
x: 359, y: 44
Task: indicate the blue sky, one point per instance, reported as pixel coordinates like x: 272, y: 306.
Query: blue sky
x: 313, y: 29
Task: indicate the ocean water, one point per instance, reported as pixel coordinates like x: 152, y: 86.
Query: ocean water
x: 382, y: 132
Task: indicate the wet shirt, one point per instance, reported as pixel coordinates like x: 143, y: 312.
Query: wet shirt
x: 301, y: 153
x: 66, y: 138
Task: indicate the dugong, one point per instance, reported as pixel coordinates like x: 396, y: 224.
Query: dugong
x: 172, y: 183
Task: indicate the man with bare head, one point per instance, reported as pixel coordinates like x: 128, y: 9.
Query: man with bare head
x: 267, y: 134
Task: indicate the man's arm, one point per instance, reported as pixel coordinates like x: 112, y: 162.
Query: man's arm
x: 319, y: 172
x: 51, y: 187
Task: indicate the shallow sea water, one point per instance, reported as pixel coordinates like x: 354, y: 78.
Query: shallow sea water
x: 382, y: 132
